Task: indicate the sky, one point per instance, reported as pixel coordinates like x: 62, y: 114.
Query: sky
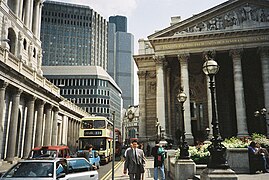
x: 144, y: 17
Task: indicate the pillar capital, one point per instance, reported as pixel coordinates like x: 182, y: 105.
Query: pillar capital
x: 3, y: 84
x: 32, y: 98
x: 56, y: 108
x: 264, y: 51
x: 17, y: 92
x: 41, y: 103
x: 159, y: 59
x: 236, y: 53
x: 141, y: 74
x: 210, y: 54
x: 48, y: 106
x: 183, y: 56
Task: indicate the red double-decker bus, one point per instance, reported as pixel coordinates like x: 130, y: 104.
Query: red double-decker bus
x: 118, y: 141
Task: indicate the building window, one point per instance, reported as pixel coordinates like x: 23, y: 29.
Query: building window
x: 34, y: 53
x: 193, y: 109
x: 24, y: 44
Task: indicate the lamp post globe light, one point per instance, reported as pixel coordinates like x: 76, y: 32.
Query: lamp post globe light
x: 184, y: 147
x: 217, y: 150
x: 261, y: 114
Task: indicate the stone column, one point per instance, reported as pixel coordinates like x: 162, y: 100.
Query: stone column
x: 64, y: 129
x: 36, y: 18
x: 20, y: 10
x: 184, y: 76
x: 39, y: 20
x: 160, y: 91
x: 142, y: 104
x: 168, y: 96
x: 264, y: 53
x: 27, y: 17
x: 3, y: 86
x: 12, y: 131
x: 60, y: 131
x: 47, y: 137
x: 29, y: 126
x: 239, y: 94
x: 54, y: 127
x: 73, y: 132
x: 69, y: 132
x: 31, y: 14
x: 17, y: 7
x: 39, y: 123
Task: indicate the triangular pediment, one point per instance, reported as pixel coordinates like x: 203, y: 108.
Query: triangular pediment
x: 232, y: 15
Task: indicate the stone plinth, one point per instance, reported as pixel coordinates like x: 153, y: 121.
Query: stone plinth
x: 184, y: 169
x: 214, y: 174
x: 237, y: 159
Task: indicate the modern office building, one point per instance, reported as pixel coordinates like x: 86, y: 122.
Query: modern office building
x: 32, y: 112
x: 89, y: 87
x: 236, y: 35
x: 120, y: 22
x: 73, y: 35
x: 120, y: 60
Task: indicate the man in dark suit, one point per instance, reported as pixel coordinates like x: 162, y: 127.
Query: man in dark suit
x: 134, y: 162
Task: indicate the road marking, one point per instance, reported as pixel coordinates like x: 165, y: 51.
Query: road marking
x: 109, y: 173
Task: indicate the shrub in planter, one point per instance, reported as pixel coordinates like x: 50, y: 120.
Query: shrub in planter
x: 199, y: 154
x: 235, y: 142
x: 260, y: 139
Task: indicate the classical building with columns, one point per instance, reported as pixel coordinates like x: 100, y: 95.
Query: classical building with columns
x: 32, y: 112
x: 234, y: 33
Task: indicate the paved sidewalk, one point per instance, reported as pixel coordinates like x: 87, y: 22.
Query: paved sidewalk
x: 149, y: 170
x: 149, y: 173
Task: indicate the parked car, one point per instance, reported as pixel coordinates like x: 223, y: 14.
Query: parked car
x: 92, y: 156
x: 50, y: 151
x: 51, y: 169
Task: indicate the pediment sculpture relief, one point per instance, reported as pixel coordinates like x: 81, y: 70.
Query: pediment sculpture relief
x: 246, y: 16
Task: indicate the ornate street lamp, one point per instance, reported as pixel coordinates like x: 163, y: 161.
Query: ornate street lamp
x: 261, y: 114
x: 207, y: 131
x: 184, y: 147
x: 157, y: 129
x: 217, y: 150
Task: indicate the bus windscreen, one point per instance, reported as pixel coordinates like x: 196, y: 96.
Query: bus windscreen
x: 97, y: 143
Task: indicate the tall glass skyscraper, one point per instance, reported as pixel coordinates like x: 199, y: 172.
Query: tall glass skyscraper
x: 120, y: 60
x: 73, y: 35
x: 120, y: 22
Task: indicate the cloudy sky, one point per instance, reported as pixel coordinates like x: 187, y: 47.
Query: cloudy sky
x: 146, y: 16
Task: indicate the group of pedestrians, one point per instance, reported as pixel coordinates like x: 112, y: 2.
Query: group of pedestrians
x: 258, y: 157
x: 135, y: 161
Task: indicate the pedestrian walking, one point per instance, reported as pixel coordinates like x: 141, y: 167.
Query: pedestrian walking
x: 159, y: 155
x: 134, y: 162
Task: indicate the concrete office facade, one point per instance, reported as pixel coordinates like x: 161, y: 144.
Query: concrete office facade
x: 89, y: 87
x: 32, y: 112
x: 235, y: 34
x: 73, y: 35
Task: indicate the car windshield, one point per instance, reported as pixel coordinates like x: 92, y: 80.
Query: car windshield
x: 30, y: 169
x: 42, y: 153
